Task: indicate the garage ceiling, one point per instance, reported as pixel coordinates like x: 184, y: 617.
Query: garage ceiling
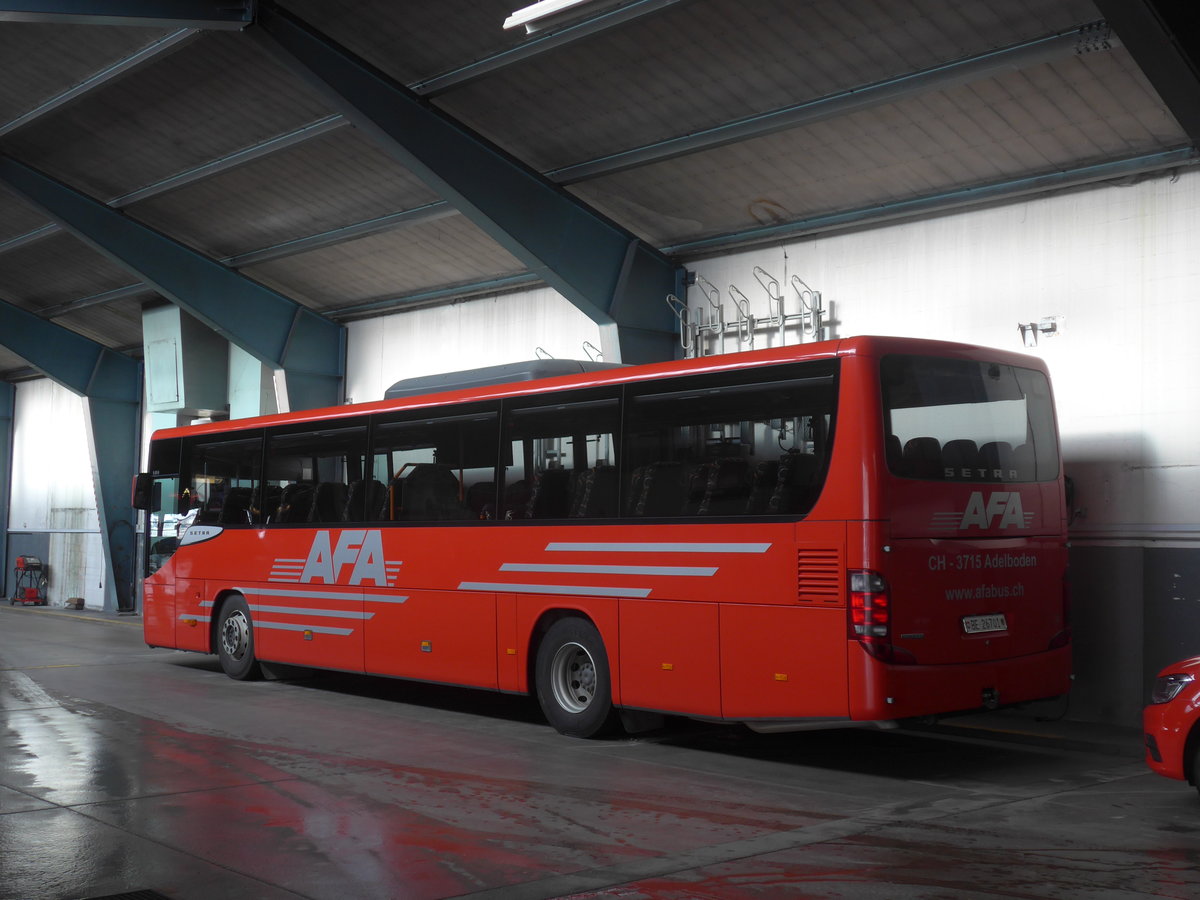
x: 698, y: 125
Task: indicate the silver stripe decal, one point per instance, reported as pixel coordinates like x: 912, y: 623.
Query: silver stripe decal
x: 301, y: 593
x: 701, y: 571
x: 659, y: 548
x: 398, y: 599
x: 317, y: 629
x: 301, y: 611
x: 577, y: 590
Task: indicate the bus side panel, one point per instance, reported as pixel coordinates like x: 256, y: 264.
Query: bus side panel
x: 670, y: 656
x: 783, y: 662
x: 443, y: 636
x: 510, y: 673
x: 158, y: 610
x: 601, y: 611
x: 294, y: 626
x: 192, y: 616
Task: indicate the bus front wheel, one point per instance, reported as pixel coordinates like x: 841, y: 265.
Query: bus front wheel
x: 572, y: 677
x: 235, y: 640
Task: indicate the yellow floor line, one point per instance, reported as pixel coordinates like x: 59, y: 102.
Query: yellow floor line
x: 64, y: 615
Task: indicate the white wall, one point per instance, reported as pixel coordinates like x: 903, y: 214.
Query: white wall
x: 1120, y: 263
x: 53, y: 492
x: 465, y: 335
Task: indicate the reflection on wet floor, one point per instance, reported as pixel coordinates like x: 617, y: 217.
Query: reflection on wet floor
x: 131, y: 769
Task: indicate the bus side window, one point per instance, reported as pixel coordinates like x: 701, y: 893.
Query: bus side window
x: 224, y: 474
x: 563, y: 456
x: 723, y: 445
x: 433, y: 468
x: 309, y: 474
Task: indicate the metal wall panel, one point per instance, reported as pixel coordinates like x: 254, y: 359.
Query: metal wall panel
x: 53, y: 498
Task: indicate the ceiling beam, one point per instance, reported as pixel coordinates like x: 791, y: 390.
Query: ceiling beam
x: 210, y: 14
x: 438, y: 209
x: 307, y: 349
x: 1164, y: 39
x: 616, y: 279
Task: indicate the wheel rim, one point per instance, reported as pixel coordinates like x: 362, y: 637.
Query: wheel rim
x: 573, y: 677
x: 235, y: 634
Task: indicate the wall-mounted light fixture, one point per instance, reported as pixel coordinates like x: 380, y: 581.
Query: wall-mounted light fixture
x: 538, y: 15
x: 1050, y: 326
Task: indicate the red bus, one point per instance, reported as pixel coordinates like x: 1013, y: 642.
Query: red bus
x: 853, y: 531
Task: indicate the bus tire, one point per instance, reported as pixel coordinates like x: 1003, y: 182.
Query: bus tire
x: 574, y: 687
x: 235, y: 640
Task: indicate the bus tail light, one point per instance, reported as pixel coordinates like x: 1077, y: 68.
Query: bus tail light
x: 871, y: 617
x: 871, y: 613
x: 870, y: 606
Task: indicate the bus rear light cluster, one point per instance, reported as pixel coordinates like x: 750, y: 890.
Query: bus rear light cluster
x: 871, y: 617
x: 870, y: 606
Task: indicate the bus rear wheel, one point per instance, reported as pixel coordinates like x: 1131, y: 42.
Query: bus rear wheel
x: 235, y: 640
x: 572, y: 677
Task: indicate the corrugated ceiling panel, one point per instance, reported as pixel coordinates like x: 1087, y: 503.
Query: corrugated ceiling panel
x: 41, y: 61
x: 217, y: 94
x: 712, y: 61
x: 391, y: 264
x: 56, y: 270
x: 116, y: 325
x: 17, y: 217
x: 414, y: 40
x: 1020, y: 123
x: 337, y: 180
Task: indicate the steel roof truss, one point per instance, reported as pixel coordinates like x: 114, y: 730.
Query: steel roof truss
x: 214, y: 14
x: 577, y: 251
x: 275, y: 329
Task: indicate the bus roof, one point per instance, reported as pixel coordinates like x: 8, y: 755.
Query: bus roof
x: 863, y: 345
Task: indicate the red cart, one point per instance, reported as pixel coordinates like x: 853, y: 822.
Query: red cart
x: 31, y: 582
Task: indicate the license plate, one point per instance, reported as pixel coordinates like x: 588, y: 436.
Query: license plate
x: 981, y: 624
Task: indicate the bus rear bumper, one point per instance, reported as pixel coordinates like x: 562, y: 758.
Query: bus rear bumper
x: 883, y: 691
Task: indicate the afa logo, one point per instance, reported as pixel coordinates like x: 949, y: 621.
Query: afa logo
x: 998, y: 509
x: 355, y: 557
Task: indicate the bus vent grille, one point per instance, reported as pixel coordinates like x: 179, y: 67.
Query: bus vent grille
x: 819, y: 577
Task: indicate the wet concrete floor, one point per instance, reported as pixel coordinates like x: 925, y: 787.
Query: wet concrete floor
x: 127, y: 769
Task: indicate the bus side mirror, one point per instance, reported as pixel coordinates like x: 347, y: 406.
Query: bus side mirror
x: 147, y: 493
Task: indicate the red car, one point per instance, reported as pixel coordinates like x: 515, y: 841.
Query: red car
x: 1172, y: 722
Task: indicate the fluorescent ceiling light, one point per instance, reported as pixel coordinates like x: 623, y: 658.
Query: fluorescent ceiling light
x: 539, y: 11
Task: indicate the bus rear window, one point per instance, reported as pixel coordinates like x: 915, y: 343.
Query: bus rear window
x: 965, y: 420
